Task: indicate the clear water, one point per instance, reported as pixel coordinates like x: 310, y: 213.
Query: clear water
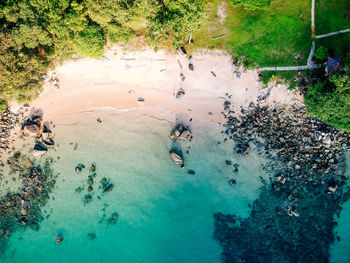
x: 165, y: 214
x: 340, y: 251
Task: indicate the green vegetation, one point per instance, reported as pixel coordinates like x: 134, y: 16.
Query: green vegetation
x: 330, y: 101
x: 3, y: 105
x: 36, y: 33
x: 251, y: 4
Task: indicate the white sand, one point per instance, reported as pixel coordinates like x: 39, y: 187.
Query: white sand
x: 118, y: 79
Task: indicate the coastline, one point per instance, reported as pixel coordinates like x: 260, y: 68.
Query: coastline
x: 119, y: 79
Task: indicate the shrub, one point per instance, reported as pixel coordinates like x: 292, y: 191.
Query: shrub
x: 90, y: 42
x: 330, y: 101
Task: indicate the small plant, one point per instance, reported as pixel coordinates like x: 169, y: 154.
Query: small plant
x: 3, y: 105
x: 321, y: 53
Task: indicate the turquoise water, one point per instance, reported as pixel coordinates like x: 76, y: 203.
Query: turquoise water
x: 340, y: 251
x: 165, y: 214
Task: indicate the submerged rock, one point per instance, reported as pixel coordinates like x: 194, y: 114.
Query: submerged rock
x: 108, y: 188
x: 232, y: 182
x: 59, y: 238
x: 87, y: 199
x: 177, y: 158
x: 113, y: 219
x: 79, y: 168
x: 92, y: 236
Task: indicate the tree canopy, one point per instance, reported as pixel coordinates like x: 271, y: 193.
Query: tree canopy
x: 34, y: 33
x: 330, y: 101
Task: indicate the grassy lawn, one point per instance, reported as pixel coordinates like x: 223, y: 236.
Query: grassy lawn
x: 275, y: 36
x: 329, y: 15
x: 330, y: 18
x: 267, y: 38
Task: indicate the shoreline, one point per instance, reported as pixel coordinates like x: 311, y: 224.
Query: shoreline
x: 120, y: 79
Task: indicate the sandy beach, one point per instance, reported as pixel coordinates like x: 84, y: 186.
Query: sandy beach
x: 119, y: 79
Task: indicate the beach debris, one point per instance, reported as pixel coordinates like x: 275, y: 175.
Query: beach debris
x: 177, y: 158
x: 213, y: 73
x: 92, y: 236
x: 180, y: 93
x: 90, y: 188
x: 190, y: 65
x: 221, y: 12
x: 181, y: 51
x: 113, y: 219
x: 87, y: 199
x: 182, y: 76
x: 59, y: 238
x: 140, y: 100
x: 192, y: 172
x: 228, y: 162
x: 99, y: 120
x: 75, y: 147
x: 79, y: 168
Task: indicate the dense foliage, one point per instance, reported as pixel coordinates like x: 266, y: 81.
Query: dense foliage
x: 330, y: 101
x: 251, y: 4
x: 34, y: 33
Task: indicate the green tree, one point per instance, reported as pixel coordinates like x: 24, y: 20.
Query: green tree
x: 90, y: 42
x: 31, y: 36
x: 120, y: 19
x: 251, y: 4
x: 330, y: 101
x: 174, y: 20
x: 20, y: 71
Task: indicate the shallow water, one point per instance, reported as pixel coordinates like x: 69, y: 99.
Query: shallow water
x: 340, y: 251
x: 165, y: 214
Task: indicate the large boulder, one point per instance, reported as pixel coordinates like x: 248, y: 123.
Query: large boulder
x: 177, y: 158
x: 33, y: 123
x: 186, y: 135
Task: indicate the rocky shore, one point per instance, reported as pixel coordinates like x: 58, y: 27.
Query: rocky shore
x: 22, y: 208
x: 293, y: 218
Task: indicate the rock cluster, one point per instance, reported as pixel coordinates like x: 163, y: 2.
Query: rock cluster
x: 22, y: 209
x: 8, y: 122
x: 293, y: 218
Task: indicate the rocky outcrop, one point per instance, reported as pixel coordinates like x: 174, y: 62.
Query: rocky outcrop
x: 303, y: 195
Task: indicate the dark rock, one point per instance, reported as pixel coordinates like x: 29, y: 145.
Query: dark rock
x: 39, y: 146
x: 108, y: 188
x: 47, y: 127
x: 92, y: 236
x: 232, y: 182
x: 87, y: 199
x: 79, y: 168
